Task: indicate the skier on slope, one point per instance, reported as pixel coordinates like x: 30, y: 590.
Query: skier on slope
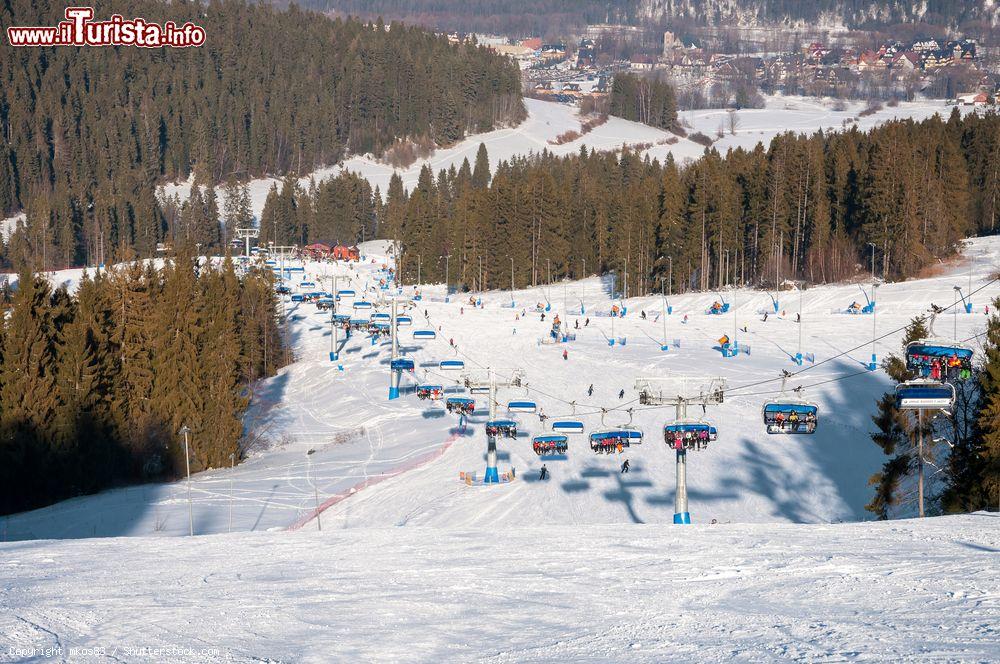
x: 625, y: 466
x: 590, y: 390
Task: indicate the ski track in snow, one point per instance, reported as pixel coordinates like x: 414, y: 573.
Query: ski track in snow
x: 889, y: 592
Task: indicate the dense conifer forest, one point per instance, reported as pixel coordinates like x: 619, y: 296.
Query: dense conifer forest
x: 95, y: 385
x: 806, y: 205
x: 87, y: 133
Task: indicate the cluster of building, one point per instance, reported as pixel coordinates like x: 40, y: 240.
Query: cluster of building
x: 833, y: 65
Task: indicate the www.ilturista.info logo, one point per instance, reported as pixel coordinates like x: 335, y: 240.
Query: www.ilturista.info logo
x: 79, y: 30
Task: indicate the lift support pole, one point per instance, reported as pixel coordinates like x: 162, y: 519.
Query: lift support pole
x: 492, y: 476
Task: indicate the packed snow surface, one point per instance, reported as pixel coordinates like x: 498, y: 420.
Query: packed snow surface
x: 902, y: 591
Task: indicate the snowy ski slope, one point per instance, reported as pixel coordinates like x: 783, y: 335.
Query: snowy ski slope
x: 547, y: 120
x: 582, y: 567
x: 903, y: 591
x: 402, y: 459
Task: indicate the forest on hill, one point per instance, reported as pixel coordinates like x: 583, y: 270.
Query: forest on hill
x: 87, y: 133
x: 561, y: 18
x: 96, y: 384
x: 806, y: 205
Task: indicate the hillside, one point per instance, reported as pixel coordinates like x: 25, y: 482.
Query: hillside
x: 414, y: 452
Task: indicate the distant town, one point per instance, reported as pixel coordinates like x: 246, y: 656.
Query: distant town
x: 712, y: 72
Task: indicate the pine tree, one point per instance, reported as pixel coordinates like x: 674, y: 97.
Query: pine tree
x: 28, y: 399
x: 481, y: 172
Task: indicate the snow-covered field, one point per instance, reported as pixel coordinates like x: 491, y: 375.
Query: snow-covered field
x: 413, y: 564
x: 875, y: 592
x: 547, y: 120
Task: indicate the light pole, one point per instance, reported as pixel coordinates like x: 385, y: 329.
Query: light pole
x: 873, y: 365
x: 319, y: 524
x: 872, y: 245
x: 670, y: 279
x: 333, y: 322
x: 511, y: 281
x: 954, y: 313
x: 798, y: 355
x: 232, y: 469
x: 447, y: 279
x: 185, y: 431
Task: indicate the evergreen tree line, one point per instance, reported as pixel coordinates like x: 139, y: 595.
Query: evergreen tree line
x: 86, y: 133
x: 95, y: 385
x: 970, y: 461
x: 644, y: 99
x: 806, y: 207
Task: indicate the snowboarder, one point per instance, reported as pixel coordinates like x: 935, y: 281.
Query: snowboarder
x: 765, y: 316
x: 642, y: 315
x: 625, y: 466
x: 621, y: 395
x: 543, y: 315
x: 586, y: 322
x: 590, y: 390
x: 576, y: 324
x: 544, y: 473
x: 565, y: 354
x: 798, y: 318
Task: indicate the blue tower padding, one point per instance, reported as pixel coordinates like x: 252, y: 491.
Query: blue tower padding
x: 682, y: 518
x: 873, y: 364
x: 492, y: 476
x: 968, y: 307
x: 670, y: 309
x: 798, y: 359
x: 394, y: 377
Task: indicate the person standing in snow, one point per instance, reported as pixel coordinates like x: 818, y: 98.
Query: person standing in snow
x: 621, y: 395
x: 625, y: 466
x: 565, y: 354
x: 544, y: 473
